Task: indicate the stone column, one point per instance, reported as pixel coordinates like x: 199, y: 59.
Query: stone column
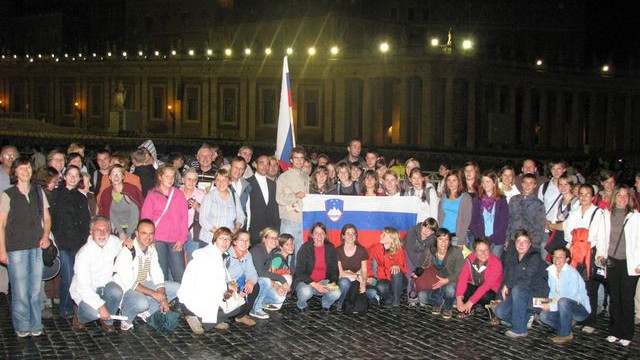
x: 212, y: 130
x: 377, y: 90
x: 628, y: 123
x: 367, y: 112
x: 339, y: 106
x: 144, y: 103
x: 527, y: 126
x: 242, y: 98
x: 471, y: 114
x: 448, y: 113
x: 327, y: 112
x: 253, y: 101
x: 207, y: 103
x: 426, y: 123
x: 610, y: 125
x: 543, y: 134
x: 401, y: 130
x: 557, y: 123
x: 574, y: 132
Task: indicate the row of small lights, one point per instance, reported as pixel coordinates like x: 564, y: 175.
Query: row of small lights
x: 228, y: 52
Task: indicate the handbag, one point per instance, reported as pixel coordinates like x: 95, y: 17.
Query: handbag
x: 427, y: 279
x: 234, y: 301
x: 195, y: 226
x: 164, y: 322
x: 49, y: 254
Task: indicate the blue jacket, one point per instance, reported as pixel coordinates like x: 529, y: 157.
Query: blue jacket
x: 530, y: 272
x: 239, y: 267
x: 571, y: 286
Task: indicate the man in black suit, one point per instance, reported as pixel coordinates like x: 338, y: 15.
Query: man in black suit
x: 262, y: 208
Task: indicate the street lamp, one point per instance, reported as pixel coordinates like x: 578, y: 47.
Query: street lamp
x: 247, y: 51
x: 384, y: 47
x: 467, y: 44
x: 191, y: 52
x: 267, y: 51
x: 435, y: 42
x: 289, y: 51
x: 335, y: 50
x: 228, y: 51
x: 311, y: 51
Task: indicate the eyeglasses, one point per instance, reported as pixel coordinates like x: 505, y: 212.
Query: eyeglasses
x: 8, y: 156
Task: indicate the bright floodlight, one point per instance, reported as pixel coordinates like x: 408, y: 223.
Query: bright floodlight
x: 334, y: 50
x: 435, y: 42
x: 140, y: 53
x: 384, y: 47
x: 605, y: 68
x: 311, y: 51
x: 156, y: 53
x: 539, y: 62
x: 467, y: 44
x: 247, y: 51
x: 94, y: 54
x: 124, y: 53
x: 289, y: 51
x: 267, y: 51
x: 228, y: 51
x: 191, y: 52
x: 108, y: 54
x: 209, y: 52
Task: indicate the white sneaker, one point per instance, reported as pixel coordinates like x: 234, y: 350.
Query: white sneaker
x: 144, y: 316
x: 194, y: 324
x: 530, y: 322
x: 611, y: 339
x: 624, y: 342
x: 125, y: 327
x: 259, y: 314
x: 588, y: 329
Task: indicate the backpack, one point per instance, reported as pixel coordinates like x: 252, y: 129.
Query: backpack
x: 355, y: 303
x: 581, y: 254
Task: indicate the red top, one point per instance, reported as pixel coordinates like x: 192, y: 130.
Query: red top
x: 385, y: 260
x: 319, y: 272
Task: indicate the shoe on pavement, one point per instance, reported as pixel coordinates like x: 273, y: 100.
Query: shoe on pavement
x: 513, y: 335
x: 259, y: 315
x: 195, y: 324
x: 447, y: 314
x: 246, y: 320
x: 624, y: 342
x: 76, y: 324
x: 588, y: 330
x: 612, y: 339
x: 107, y: 328
x: 36, y: 333
x: 271, y: 307
x: 125, y: 327
x: 437, y: 310
x: 22, y: 334
x: 530, y: 322
x: 144, y: 316
x: 222, y: 326
x: 559, y: 340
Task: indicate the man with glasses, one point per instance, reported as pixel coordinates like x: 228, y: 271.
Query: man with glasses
x: 92, y: 290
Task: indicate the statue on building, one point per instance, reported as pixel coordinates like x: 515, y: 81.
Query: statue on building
x: 119, y: 96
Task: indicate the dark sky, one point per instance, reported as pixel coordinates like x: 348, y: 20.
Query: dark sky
x: 613, y: 29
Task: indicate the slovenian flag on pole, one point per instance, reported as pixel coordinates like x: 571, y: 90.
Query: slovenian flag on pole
x: 286, y: 140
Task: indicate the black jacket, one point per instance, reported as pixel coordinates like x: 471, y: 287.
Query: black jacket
x: 70, y: 218
x: 530, y: 272
x: 262, y: 214
x: 306, y: 259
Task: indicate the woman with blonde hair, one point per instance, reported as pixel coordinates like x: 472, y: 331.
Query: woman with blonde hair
x: 389, y: 279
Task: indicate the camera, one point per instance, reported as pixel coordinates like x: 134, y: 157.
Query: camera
x: 418, y: 271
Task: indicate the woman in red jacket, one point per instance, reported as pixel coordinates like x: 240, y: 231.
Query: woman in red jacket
x: 479, y: 279
x: 387, y: 269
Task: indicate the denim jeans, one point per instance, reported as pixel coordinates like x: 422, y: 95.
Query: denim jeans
x: 344, y: 284
x: 515, y: 309
x: 111, y: 294
x: 190, y: 246
x: 25, y: 275
x: 294, y: 228
x: 67, y: 261
x: 389, y: 290
x: 560, y: 320
x: 170, y: 260
x: 497, y: 250
x: 443, y: 296
x: 267, y: 295
x: 306, y: 292
x: 135, y: 302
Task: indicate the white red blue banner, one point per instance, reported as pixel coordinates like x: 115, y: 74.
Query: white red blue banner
x: 286, y: 137
x: 370, y: 215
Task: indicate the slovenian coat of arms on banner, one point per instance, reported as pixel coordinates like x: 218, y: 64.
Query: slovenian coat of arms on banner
x: 334, y: 209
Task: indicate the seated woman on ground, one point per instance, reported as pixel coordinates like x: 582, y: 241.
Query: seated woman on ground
x: 273, y: 287
x: 389, y: 279
x: 447, y: 260
x: 479, y: 280
x: 352, y: 262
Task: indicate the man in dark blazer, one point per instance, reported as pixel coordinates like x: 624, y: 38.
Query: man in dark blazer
x: 262, y: 208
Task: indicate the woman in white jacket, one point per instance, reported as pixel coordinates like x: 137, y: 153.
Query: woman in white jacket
x: 204, y: 285
x: 619, y: 251
x: 587, y: 216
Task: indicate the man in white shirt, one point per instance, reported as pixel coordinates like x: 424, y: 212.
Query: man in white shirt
x: 137, y: 272
x: 549, y: 192
x: 91, y: 288
x: 239, y: 184
x: 262, y: 208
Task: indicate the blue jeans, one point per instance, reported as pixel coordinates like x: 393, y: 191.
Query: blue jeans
x: 446, y: 294
x: 515, y: 309
x: 497, y: 250
x: 111, y: 294
x: 67, y: 261
x: 267, y: 295
x: 344, y: 284
x: 306, y: 292
x: 389, y: 290
x: 135, y: 302
x: 560, y: 320
x: 190, y: 246
x: 170, y: 260
x: 25, y: 276
x: 294, y: 228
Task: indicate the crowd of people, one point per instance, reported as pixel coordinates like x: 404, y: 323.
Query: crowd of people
x: 219, y: 239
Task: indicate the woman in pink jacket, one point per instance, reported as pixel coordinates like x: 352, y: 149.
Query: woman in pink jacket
x: 479, y: 280
x: 167, y: 207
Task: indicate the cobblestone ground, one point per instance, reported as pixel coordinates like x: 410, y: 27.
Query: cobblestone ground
x: 404, y: 333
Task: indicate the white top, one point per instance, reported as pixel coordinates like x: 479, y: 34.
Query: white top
x: 631, y: 237
x: 550, y: 199
x: 126, y: 267
x: 509, y: 194
x: 577, y: 220
x: 203, y: 284
x: 93, y: 269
